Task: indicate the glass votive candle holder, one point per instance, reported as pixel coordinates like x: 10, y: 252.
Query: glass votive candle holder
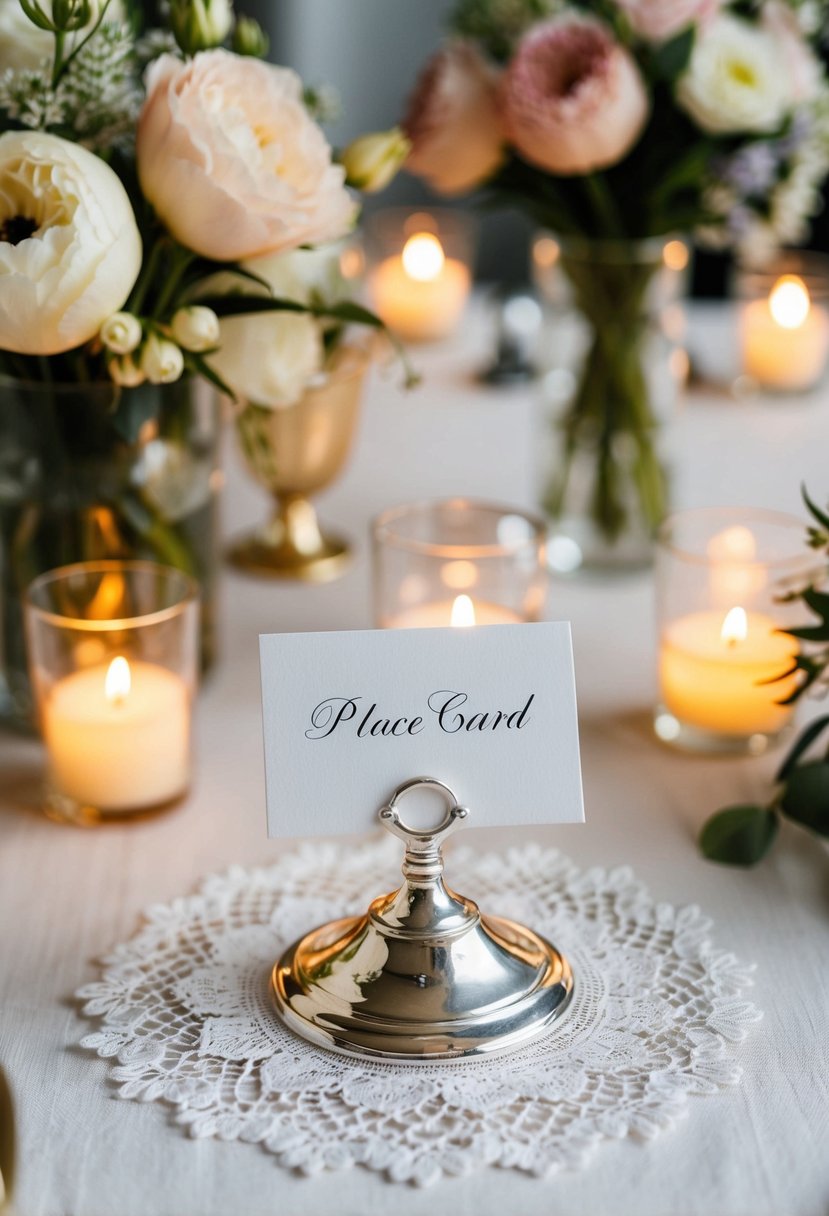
x: 457, y: 562
x: 113, y: 654
x: 783, y: 323
x: 721, y: 575
x: 419, y: 269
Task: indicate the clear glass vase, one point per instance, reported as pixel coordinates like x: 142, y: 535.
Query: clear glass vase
x: 613, y: 366
x: 80, y: 482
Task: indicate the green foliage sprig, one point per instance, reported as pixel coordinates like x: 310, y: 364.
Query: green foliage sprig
x: 742, y: 835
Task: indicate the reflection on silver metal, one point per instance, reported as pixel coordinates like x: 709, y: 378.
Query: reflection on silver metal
x: 423, y: 975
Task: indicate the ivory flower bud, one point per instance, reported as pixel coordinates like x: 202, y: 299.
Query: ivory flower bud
x: 573, y: 97
x: 737, y: 79
x: 249, y: 38
x: 454, y: 121
x: 126, y: 372
x: 69, y: 245
x: 196, y: 328
x: 199, y: 25
x: 121, y: 333
x: 372, y: 160
x: 231, y: 160
x: 161, y: 361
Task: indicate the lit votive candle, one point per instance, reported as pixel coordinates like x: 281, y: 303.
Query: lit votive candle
x: 460, y: 612
x: 719, y: 674
x: 725, y: 658
x: 785, y: 337
x: 420, y: 293
x: 113, y: 649
x: 118, y: 736
x: 458, y: 562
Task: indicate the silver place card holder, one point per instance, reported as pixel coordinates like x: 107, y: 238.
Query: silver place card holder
x: 423, y: 975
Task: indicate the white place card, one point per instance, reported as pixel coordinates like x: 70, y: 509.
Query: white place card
x: 489, y: 710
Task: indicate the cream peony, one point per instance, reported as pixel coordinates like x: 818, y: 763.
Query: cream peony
x: 661, y: 20
x: 269, y: 358
x: 737, y: 79
x: 24, y: 45
x: 573, y: 97
x: 232, y: 161
x: 69, y: 246
x: 454, y: 121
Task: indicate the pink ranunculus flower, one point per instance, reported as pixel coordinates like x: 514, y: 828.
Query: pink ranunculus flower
x: 660, y: 20
x: 231, y: 160
x: 454, y: 121
x: 804, y: 67
x: 573, y: 97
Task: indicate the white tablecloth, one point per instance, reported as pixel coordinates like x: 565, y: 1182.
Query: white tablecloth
x: 68, y: 895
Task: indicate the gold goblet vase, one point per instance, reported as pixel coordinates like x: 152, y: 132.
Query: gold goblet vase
x: 294, y: 452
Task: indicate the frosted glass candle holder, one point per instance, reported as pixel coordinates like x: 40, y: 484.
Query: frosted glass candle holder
x: 419, y: 270
x: 113, y: 653
x: 725, y: 667
x: 457, y: 562
x: 783, y: 323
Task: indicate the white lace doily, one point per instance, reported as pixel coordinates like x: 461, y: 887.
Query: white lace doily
x: 187, y: 1014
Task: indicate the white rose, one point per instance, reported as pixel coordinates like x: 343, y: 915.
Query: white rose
x: 69, y: 246
x: 125, y: 371
x: 269, y: 358
x: 231, y: 160
x: 24, y: 45
x: 737, y: 79
x: 196, y: 328
x: 161, y: 361
x: 121, y: 333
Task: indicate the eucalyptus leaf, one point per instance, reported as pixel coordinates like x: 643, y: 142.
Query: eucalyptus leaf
x: 806, y: 797
x: 811, y: 633
x: 739, y: 835
x: 802, y: 744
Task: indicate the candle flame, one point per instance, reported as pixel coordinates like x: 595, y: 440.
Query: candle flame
x: 118, y: 681
x: 789, y: 301
x: 463, y: 611
x: 734, y: 627
x: 423, y: 257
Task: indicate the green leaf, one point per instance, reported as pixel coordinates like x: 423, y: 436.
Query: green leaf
x: 739, y: 835
x: 671, y: 60
x: 818, y: 601
x: 802, y: 744
x: 810, y: 633
x: 822, y: 519
x: 806, y: 797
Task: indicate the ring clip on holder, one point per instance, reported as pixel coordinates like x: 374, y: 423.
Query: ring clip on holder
x: 423, y: 975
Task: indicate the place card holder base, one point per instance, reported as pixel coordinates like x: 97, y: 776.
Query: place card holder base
x: 423, y: 975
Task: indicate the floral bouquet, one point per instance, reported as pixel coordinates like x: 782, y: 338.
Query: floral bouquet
x: 616, y: 124
x: 151, y: 181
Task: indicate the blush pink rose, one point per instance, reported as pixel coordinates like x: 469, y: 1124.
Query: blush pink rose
x: 453, y: 121
x: 232, y: 161
x: 660, y: 20
x: 573, y: 97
